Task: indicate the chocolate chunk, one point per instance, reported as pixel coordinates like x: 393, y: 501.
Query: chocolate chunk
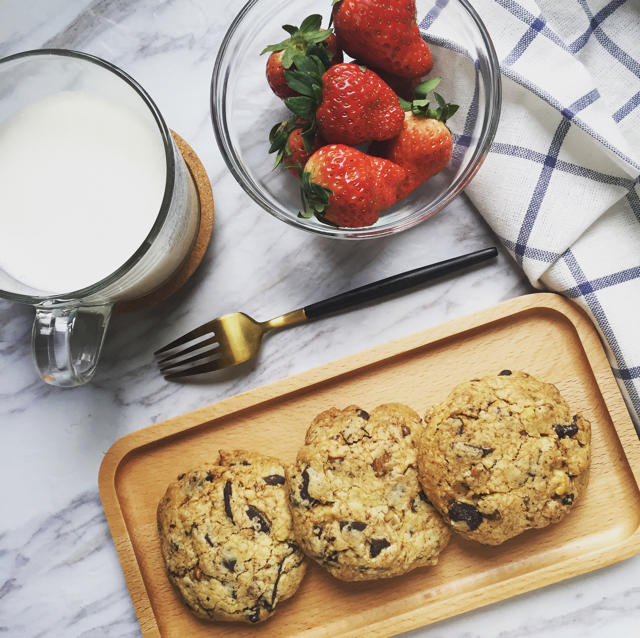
x: 376, y: 545
x: 356, y: 526
x: 230, y: 564
x: 259, y: 519
x: 274, y: 479
x: 406, y: 431
x: 227, y: 501
x: 566, y: 430
x: 317, y: 531
x: 567, y: 499
x: 304, y: 490
x: 174, y: 546
x: 209, y: 477
x: 331, y: 558
x: 363, y: 415
x: 459, y: 511
x: 494, y: 516
x: 274, y: 591
x: 505, y: 373
x: 423, y: 497
x: 208, y: 539
x: 172, y: 525
x: 181, y: 476
x: 245, y: 463
x: 254, y: 614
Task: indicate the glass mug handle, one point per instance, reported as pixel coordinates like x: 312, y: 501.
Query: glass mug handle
x: 66, y: 342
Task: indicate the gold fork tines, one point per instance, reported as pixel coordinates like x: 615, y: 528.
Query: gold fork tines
x: 234, y: 339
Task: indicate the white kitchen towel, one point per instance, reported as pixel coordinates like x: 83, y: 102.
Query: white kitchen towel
x: 560, y: 184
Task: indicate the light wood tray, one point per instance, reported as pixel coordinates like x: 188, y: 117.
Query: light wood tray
x: 542, y: 334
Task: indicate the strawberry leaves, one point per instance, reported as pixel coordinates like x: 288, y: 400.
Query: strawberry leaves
x: 421, y: 105
x: 301, y: 106
x: 307, y: 39
x: 315, y: 198
x: 307, y: 81
x: 405, y: 104
x: 280, y: 134
x: 424, y: 88
x: 279, y: 138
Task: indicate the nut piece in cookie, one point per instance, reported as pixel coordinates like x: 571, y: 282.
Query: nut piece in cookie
x: 357, y: 506
x: 227, y: 538
x: 502, y: 455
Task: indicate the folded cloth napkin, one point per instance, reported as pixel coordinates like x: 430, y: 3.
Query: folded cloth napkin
x: 560, y: 184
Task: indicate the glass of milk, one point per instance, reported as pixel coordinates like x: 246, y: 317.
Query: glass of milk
x: 96, y: 202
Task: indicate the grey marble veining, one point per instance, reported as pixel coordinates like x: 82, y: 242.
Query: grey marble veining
x: 59, y: 573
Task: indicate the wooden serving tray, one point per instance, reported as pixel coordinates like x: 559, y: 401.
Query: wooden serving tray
x: 542, y: 334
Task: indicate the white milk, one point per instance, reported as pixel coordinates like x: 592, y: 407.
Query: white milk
x: 81, y: 184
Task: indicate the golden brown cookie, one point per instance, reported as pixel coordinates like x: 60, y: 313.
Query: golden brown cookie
x: 227, y: 539
x: 503, y: 454
x: 358, y: 509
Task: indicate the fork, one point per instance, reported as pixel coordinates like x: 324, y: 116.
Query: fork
x: 235, y: 338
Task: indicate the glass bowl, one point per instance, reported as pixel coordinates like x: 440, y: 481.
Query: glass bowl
x: 244, y: 109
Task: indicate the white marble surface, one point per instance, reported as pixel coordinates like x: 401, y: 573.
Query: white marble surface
x: 59, y: 573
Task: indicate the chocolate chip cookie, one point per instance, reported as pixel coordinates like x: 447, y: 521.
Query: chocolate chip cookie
x: 227, y: 538
x: 357, y: 506
x: 503, y: 454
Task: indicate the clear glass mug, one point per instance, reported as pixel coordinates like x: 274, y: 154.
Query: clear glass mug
x: 70, y: 325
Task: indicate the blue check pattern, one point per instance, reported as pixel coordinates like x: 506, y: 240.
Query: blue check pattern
x: 560, y: 185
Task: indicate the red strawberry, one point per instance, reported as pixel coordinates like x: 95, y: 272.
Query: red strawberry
x: 357, y: 106
x: 345, y: 187
x: 275, y: 76
x: 385, y: 35
x: 425, y: 145
x: 308, y: 39
x: 296, y: 153
x: 295, y: 141
x: 351, y: 104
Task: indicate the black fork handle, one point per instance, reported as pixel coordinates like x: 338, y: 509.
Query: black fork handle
x: 396, y: 283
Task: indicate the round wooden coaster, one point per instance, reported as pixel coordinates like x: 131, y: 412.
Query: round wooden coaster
x: 182, y: 275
